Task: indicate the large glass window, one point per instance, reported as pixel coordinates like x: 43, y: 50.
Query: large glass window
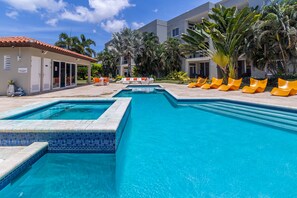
x: 204, y: 69
x: 56, y: 75
x: 73, y: 73
x: 68, y: 74
x: 63, y: 72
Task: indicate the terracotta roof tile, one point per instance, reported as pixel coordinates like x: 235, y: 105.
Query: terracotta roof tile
x: 22, y: 41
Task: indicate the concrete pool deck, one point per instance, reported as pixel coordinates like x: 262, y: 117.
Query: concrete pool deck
x: 180, y: 91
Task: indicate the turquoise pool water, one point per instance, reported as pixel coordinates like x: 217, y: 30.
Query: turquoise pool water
x: 173, y: 151
x: 75, y: 110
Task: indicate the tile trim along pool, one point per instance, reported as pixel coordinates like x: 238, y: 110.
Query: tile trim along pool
x: 99, y: 136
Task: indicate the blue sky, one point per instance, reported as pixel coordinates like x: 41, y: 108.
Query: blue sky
x: 97, y: 19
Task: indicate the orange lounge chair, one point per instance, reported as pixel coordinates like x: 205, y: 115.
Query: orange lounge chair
x: 232, y: 85
x: 199, y: 83
x: 256, y: 86
x: 215, y: 83
x: 285, y: 88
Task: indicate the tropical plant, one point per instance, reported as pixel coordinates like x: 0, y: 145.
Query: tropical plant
x: 84, y: 46
x: 226, y: 28
x: 109, y: 61
x: 180, y: 76
x: 126, y: 43
x: 80, y: 45
x: 172, y: 55
x: 274, y: 37
x: 148, y: 58
x: 67, y: 42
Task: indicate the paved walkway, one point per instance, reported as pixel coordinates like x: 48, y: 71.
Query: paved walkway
x: 7, y: 103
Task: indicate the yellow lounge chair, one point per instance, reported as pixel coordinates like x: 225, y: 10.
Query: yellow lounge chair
x: 285, y: 88
x: 232, y: 85
x: 199, y: 83
x: 256, y: 86
x: 215, y: 83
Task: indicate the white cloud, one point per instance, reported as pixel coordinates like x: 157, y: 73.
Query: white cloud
x: 36, y: 5
x: 114, y: 25
x: 136, y: 25
x: 12, y: 14
x: 94, y: 31
x: 156, y: 10
x: 52, y: 22
x: 99, y: 10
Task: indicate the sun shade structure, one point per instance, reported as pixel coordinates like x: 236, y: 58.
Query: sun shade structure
x: 38, y: 67
x: 215, y: 83
x: 285, y: 88
x: 256, y: 86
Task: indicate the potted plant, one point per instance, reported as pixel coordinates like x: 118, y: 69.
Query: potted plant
x: 10, y: 88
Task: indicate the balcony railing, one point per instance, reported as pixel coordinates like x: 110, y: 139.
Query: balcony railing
x: 199, y: 54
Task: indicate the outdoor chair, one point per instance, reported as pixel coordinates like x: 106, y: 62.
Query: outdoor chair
x: 256, y: 86
x: 232, y: 85
x: 199, y: 83
x: 285, y: 88
x: 215, y: 83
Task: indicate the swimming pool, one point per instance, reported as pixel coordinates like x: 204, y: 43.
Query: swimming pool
x: 70, y: 110
x: 178, y: 150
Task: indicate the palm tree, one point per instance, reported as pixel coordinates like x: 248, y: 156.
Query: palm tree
x: 126, y: 43
x: 73, y: 43
x: 109, y: 61
x: 172, y: 55
x: 226, y: 28
x: 67, y: 42
x: 277, y: 30
x: 147, y: 58
x: 84, y: 46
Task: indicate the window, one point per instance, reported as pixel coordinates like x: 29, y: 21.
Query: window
x: 7, y: 62
x: 73, y: 73
x: 175, y: 32
x: 191, y: 26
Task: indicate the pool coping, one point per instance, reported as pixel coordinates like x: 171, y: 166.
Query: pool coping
x: 108, y: 122
x: 13, y: 166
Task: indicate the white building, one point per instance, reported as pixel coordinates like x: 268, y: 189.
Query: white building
x: 198, y: 64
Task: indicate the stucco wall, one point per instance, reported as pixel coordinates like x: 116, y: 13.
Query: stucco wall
x: 21, y: 79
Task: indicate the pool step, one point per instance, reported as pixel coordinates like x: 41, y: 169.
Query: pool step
x: 262, y: 109
x: 257, y: 116
x: 259, y: 112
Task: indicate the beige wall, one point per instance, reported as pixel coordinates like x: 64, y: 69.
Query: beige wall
x: 24, y: 79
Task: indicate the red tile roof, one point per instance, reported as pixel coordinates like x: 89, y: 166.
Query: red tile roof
x: 21, y: 41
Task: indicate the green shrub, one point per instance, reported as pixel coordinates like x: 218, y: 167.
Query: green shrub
x: 119, y: 78
x: 179, y: 76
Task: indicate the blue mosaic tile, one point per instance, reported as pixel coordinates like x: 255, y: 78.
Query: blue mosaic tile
x: 64, y: 141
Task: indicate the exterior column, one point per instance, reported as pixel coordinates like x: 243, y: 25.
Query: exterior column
x: 89, y: 74
x: 187, y: 65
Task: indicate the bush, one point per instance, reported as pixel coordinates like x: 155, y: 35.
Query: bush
x: 82, y: 72
x: 96, y: 69
x: 119, y: 78
x: 179, y: 76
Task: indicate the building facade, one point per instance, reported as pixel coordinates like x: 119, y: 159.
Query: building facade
x: 199, y: 63
x: 38, y: 67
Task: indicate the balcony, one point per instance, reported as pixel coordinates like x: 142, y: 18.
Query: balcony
x: 199, y: 54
